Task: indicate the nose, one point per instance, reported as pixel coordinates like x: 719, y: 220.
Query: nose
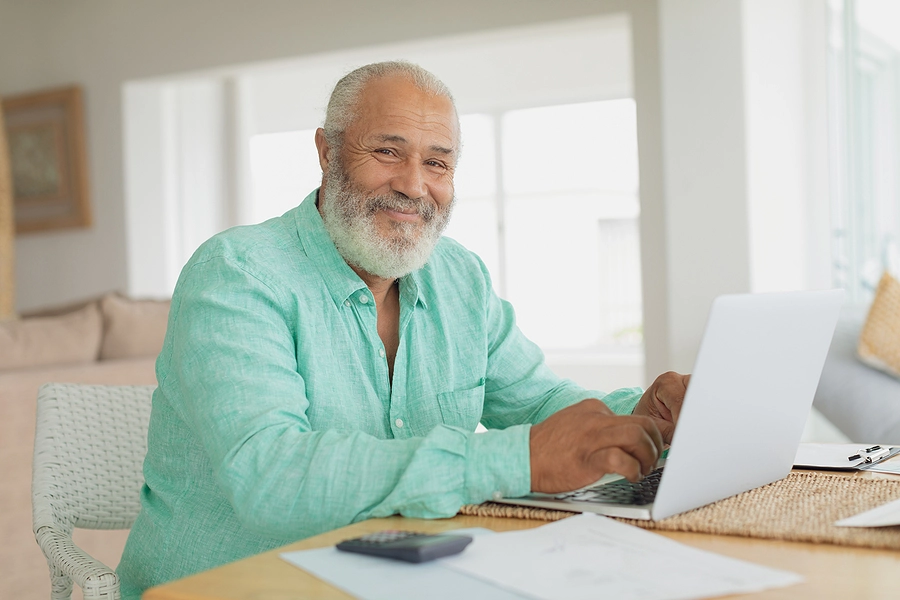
x: 409, y: 180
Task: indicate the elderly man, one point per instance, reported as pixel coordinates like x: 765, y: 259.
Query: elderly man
x: 331, y: 365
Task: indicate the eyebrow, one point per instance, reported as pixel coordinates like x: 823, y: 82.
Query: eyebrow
x: 402, y: 140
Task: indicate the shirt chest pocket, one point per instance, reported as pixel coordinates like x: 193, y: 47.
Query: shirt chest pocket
x: 462, y: 408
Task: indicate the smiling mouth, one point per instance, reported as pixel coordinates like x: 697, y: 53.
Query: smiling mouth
x: 407, y: 215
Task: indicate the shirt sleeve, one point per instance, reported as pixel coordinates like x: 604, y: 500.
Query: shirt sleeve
x: 230, y: 373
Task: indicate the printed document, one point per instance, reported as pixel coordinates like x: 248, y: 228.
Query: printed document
x: 590, y: 556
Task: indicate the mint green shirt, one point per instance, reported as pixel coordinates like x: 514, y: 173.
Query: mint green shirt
x: 275, y: 418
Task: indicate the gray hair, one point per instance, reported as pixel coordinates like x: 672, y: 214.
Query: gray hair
x: 343, y: 104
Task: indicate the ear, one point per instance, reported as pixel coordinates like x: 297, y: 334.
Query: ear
x: 322, y: 149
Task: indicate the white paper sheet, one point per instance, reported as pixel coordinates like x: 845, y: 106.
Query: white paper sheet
x: 891, y: 465
x: 590, y: 556
x: 837, y: 456
x: 881, y: 516
x: 374, y: 578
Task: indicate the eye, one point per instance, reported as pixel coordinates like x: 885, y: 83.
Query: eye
x: 435, y: 163
x: 385, y: 151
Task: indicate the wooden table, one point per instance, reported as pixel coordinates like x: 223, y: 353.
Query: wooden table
x: 838, y: 572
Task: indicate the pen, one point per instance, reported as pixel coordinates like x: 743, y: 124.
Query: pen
x: 877, y: 455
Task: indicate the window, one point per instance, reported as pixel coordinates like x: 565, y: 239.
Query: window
x: 864, y: 90
x: 556, y: 201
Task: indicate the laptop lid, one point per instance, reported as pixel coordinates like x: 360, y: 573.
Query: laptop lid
x: 753, y: 383
x: 749, y: 397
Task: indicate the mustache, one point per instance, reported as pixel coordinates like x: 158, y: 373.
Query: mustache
x: 400, y: 202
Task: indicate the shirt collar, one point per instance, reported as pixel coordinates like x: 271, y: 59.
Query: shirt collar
x: 339, y: 278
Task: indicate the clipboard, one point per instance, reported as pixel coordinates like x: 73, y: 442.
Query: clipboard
x: 842, y: 457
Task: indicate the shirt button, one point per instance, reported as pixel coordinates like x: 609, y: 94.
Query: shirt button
x: 497, y: 495
x: 363, y: 299
x: 346, y: 303
x: 381, y: 352
x: 399, y: 422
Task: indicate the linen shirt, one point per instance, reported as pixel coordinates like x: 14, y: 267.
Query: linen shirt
x: 276, y: 419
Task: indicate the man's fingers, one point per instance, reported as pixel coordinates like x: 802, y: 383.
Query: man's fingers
x: 655, y: 431
x: 634, y: 437
x: 676, y: 406
x: 666, y: 430
x: 616, y: 460
x: 579, y: 444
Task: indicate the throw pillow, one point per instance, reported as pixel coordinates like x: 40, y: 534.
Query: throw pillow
x: 879, y: 342
x: 132, y: 328
x: 71, y: 338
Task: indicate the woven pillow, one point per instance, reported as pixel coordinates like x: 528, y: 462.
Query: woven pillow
x: 71, y: 338
x: 132, y: 328
x: 879, y: 342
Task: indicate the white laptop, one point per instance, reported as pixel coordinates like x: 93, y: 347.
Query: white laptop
x: 743, y: 415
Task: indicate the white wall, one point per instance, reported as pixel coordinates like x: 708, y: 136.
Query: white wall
x: 786, y: 124
x: 704, y: 150
x: 745, y: 174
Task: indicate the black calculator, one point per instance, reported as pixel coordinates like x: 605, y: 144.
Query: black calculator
x: 407, y: 545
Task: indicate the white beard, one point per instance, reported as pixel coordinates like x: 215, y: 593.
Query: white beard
x: 349, y: 217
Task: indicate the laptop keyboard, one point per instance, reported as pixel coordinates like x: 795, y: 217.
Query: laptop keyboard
x: 619, y: 492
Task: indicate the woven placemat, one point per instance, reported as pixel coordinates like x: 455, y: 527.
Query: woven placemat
x: 802, y: 507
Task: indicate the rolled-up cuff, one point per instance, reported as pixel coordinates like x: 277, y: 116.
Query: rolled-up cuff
x: 498, y: 464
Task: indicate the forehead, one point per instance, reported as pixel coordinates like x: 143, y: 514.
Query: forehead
x: 393, y: 105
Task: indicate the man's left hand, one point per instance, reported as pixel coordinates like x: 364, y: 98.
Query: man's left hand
x: 662, y: 402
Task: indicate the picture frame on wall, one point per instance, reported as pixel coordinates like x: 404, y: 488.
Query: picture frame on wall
x: 48, y: 159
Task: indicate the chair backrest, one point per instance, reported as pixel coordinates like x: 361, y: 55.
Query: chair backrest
x: 90, y: 442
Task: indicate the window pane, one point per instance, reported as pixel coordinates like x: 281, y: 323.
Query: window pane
x: 573, y: 271
x: 573, y: 147
x: 476, y: 173
x: 571, y: 231
x: 474, y: 222
x: 284, y: 169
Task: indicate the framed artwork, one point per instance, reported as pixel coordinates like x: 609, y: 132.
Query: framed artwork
x: 48, y: 162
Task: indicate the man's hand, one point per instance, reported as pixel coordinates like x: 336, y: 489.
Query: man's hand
x: 662, y: 402
x: 579, y: 444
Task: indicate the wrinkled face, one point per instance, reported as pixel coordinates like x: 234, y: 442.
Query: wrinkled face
x: 388, y: 194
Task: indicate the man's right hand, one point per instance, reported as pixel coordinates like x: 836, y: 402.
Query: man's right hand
x: 579, y: 444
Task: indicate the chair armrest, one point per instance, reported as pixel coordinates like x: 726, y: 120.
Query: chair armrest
x: 95, y: 579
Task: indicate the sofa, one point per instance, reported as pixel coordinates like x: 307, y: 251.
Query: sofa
x: 861, y: 401
x: 110, y: 340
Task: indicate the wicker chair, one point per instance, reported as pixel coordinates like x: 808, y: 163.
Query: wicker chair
x: 89, y: 447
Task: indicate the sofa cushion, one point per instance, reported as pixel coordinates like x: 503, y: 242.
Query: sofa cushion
x: 71, y: 338
x: 132, y: 328
x: 879, y: 342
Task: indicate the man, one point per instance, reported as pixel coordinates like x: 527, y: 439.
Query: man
x: 331, y: 365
